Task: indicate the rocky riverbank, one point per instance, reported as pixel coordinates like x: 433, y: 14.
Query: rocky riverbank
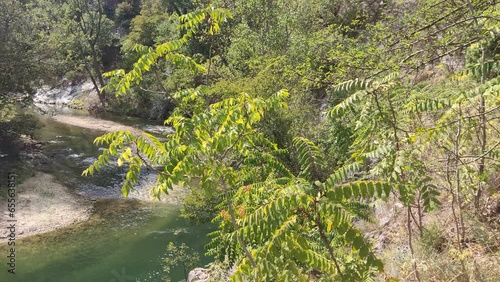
x: 43, y: 203
x: 73, y: 95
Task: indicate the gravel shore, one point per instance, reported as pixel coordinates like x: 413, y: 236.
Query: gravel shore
x: 95, y: 123
x: 43, y: 205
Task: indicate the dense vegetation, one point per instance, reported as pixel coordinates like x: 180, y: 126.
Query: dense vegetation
x: 294, y: 120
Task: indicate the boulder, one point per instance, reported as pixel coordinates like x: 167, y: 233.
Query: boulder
x: 198, y: 275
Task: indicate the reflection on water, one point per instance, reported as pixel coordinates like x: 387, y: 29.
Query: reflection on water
x: 124, y: 238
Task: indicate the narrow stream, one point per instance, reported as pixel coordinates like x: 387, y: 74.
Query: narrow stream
x: 124, y: 239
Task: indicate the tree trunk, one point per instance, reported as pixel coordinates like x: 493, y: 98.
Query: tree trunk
x: 101, y: 96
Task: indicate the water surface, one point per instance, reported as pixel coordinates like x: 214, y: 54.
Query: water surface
x: 124, y: 240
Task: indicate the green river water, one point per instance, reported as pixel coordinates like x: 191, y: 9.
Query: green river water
x: 124, y: 239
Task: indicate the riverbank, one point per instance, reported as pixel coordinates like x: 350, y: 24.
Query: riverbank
x: 43, y: 205
x: 95, y: 123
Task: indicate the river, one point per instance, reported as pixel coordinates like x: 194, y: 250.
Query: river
x: 124, y: 239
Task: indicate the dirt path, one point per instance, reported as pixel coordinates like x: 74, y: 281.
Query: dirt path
x: 43, y: 205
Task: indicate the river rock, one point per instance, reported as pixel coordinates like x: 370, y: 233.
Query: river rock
x: 198, y: 275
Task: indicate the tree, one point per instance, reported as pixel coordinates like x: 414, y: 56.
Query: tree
x: 91, y: 31
x: 288, y: 214
x: 266, y: 209
x: 13, y: 41
x: 221, y: 150
x: 180, y: 255
x: 399, y: 120
x: 26, y: 60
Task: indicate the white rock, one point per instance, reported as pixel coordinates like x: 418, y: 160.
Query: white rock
x: 198, y: 275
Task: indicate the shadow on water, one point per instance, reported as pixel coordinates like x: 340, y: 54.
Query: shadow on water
x: 124, y: 239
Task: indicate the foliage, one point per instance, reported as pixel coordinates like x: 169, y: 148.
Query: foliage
x: 405, y: 131
x: 125, y: 12
x: 200, y: 206
x: 180, y: 255
x: 294, y: 219
x: 154, y: 36
x: 220, y: 148
x: 25, y: 58
x: 389, y: 100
